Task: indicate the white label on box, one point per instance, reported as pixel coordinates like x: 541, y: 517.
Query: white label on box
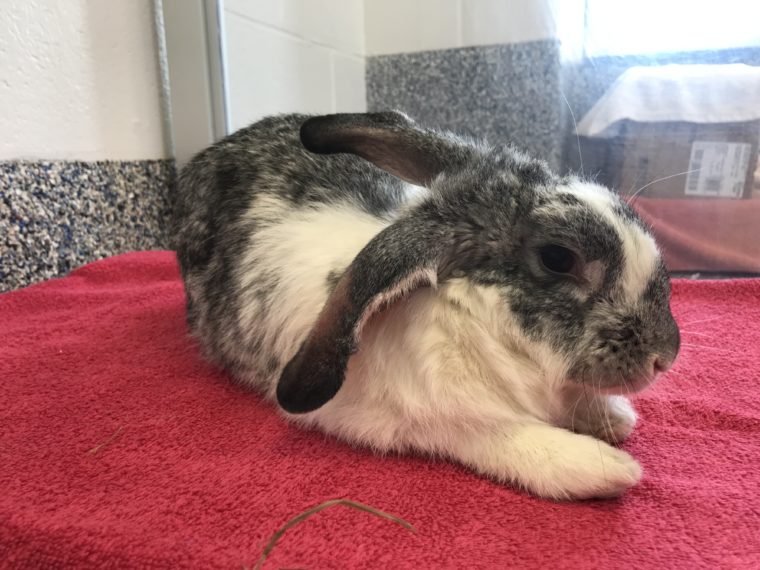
x: 718, y: 169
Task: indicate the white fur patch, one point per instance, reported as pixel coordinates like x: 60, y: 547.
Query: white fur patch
x: 297, y: 252
x: 422, y: 277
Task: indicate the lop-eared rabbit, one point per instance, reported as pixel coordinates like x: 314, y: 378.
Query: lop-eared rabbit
x: 407, y: 289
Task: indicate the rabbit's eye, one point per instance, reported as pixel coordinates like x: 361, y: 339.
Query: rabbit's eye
x: 558, y: 259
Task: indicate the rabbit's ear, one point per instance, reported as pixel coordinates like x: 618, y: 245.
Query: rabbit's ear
x: 390, y: 140
x: 400, y: 259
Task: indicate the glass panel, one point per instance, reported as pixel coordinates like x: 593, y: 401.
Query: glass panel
x: 675, y: 133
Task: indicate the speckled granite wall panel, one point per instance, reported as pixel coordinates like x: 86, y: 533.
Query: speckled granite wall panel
x: 503, y: 93
x: 55, y: 216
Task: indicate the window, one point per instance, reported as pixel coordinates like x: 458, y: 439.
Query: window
x: 628, y: 27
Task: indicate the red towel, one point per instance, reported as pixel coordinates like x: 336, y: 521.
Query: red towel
x: 120, y: 447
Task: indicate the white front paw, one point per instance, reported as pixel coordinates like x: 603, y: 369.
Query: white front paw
x: 559, y: 464
x: 619, y: 471
x: 552, y: 462
x: 592, y: 469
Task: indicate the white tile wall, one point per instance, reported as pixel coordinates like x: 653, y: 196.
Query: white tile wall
x: 350, y: 85
x: 264, y: 11
x: 486, y: 22
x: 334, y: 23
x: 400, y: 26
x: 308, y: 55
x: 293, y: 56
x: 269, y: 72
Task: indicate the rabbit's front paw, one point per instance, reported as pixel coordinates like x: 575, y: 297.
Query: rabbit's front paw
x: 581, y: 467
x: 554, y: 463
x: 606, y: 473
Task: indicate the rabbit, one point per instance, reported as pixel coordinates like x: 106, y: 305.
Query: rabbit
x: 411, y: 290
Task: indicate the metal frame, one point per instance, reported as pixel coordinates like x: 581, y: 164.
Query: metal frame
x: 193, y: 59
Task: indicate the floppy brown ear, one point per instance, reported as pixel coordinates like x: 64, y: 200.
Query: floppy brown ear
x: 390, y: 140
x: 402, y: 258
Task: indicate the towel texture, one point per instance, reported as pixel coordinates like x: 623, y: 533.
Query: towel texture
x: 120, y: 447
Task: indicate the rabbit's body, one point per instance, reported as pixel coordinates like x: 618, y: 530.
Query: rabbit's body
x: 282, y: 250
x: 259, y: 259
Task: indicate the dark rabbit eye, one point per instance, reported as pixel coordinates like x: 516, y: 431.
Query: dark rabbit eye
x: 558, y: 259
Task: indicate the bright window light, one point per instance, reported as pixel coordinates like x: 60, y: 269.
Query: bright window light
x: 627, y: 27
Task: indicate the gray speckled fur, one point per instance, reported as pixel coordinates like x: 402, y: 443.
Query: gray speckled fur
x: 55, y: 216
x: 210, y: 236
x: 491, y: 208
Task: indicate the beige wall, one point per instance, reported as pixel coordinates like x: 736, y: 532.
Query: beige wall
x: 79, y: 79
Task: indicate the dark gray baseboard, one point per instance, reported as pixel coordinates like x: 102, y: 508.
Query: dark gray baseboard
x: 56, y: 216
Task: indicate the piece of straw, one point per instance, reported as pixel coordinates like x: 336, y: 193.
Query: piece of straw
x: 322, y: 506
x: 100, y: 446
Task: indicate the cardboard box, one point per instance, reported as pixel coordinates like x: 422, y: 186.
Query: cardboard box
x: 676, y: 159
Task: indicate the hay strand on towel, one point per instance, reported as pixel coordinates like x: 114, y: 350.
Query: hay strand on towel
x: 322, y: 506
x: 101, y: 445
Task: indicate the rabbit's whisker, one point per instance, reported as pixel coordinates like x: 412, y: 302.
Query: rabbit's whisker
x: 575, y: 409
x: 598, y: 443
x: 575, y: 128
x: 697, y: 333
x: 702, y: 321
x: 703, y: 347
x: 631, y: 198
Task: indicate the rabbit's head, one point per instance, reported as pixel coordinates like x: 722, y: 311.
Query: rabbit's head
x: 575, y: 269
